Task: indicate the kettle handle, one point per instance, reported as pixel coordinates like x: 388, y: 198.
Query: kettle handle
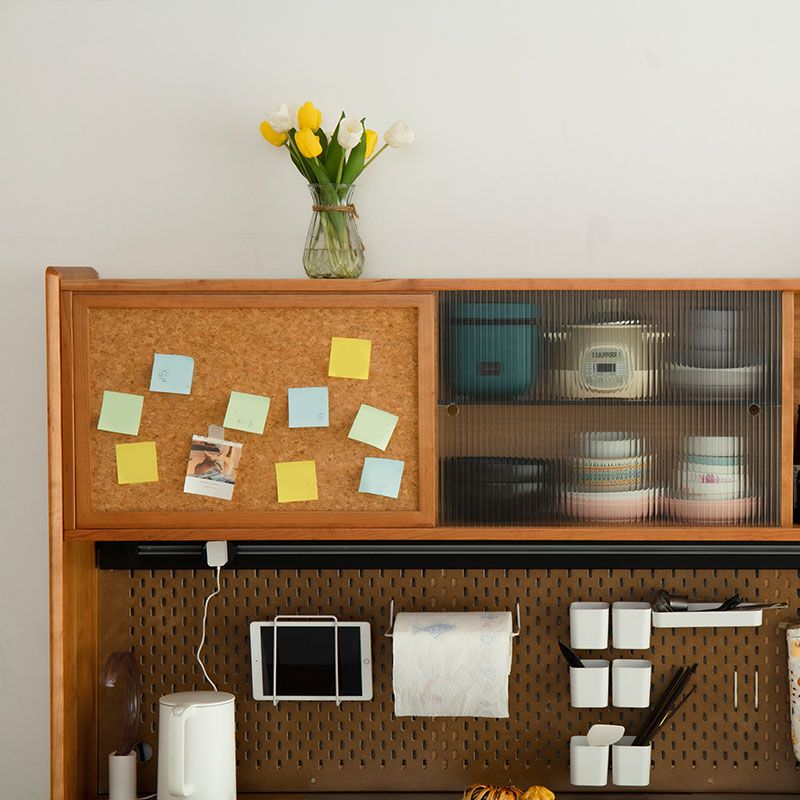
x: 176, y: 737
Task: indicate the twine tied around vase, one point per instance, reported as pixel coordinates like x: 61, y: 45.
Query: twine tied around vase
x: 343, y: 209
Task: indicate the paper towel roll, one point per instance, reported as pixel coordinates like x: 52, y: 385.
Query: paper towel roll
x: 793, y: 644
x: 452, y: 664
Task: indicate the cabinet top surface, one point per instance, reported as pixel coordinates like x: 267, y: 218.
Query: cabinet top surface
x: 87, y: 280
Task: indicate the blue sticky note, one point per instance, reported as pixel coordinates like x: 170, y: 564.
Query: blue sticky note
x: 381, y: 476
x: 172, y: 374
x: 308, y: 407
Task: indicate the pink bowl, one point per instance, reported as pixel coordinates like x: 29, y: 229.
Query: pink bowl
x: 712, y: 511
x: 604, y: 508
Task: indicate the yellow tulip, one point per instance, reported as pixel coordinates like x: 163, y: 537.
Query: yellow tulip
x: 271, y: 135
x: 308, y: 116
x: 372, y: 140
x: 307, y: 143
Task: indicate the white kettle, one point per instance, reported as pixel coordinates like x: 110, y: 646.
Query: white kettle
x: 196, y: 746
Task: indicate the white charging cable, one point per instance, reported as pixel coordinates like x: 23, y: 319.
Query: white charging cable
x: 203, y: 637
x: 217, y: 556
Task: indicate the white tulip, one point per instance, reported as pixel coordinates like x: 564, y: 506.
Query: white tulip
x: 399, y: 135
x: 350, y: 132
x: 280, y: 119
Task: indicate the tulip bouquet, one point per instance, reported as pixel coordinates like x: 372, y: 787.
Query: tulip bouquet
x: 330, y: 163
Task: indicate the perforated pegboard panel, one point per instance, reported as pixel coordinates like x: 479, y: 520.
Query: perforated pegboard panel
x: 708, y: 747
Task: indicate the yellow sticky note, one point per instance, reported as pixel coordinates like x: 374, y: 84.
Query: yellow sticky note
x: 137, y: 462
x: 297, y: 480
x: 349, y: 358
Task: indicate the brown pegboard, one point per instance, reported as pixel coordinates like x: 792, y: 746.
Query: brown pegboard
x: 297, y: 747
x: 259, y: 351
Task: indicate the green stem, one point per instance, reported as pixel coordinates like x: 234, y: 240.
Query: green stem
x: 374, y: 157
x: 290, y: 143
x: 339, y: 251
x: 339, y: 170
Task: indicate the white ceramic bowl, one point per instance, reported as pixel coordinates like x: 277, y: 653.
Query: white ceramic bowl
x: 690, y: 480
x: 712, y: 445
x: 735, y: 379
x: 713, y: 318
x: 583, y: 462
x: 726, y: 358
x: 708, y: 490
x: 714, y: 469
x: 610, y: 444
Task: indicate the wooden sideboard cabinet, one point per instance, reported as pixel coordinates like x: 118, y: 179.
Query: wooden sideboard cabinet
x: 501, y: 388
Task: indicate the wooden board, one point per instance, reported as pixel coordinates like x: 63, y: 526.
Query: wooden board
x: 258, y: 345
x: 788, y: 404
x: 314, y: 747
x: 81, y: 283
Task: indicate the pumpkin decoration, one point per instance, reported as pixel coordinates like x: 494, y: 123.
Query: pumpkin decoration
x: 481, y: 791
x: 538, y: 793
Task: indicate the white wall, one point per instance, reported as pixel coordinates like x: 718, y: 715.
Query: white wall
x: 555, y: 137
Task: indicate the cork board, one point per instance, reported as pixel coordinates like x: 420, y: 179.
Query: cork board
x: 254, y: 348
x: 709, y: 746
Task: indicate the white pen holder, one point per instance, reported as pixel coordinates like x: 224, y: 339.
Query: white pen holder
x: 588, y: 626
x: 588, y: 765
x: 630, y: 766
x: 588, y: 685
x: 630, y: 625
x: 630, y: 683
x: 122, y: 776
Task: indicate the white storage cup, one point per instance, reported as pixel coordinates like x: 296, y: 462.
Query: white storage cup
x: 588, y: 685
x: 588, y: 766
x: 588, y: 626
x: 122, y: 776
x: 630, y: 766
x: 630, y: 626
x: 630, y: 683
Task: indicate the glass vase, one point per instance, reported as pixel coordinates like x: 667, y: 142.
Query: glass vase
x: 333, y: 246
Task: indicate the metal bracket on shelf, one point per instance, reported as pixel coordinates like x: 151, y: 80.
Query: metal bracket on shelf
x: 307, y: 617
x: 390, y: 629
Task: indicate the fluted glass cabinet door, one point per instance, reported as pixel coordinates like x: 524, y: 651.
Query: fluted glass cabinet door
x: 609, y: 408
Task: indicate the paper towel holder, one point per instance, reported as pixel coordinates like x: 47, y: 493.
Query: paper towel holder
x: 390, y: 629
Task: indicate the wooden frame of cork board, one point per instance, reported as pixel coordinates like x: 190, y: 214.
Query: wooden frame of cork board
x: 258, y: 344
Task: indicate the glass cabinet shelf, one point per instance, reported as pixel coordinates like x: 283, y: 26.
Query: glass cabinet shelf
x: 598, y: 401
x: 640, y: 408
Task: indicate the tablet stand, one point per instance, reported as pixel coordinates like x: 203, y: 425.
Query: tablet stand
x: 308, y: 617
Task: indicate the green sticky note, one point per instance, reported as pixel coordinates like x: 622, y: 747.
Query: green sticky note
x: 121, y: 413
x: 247, y: 412
x: 137, y: 462
x: 373, y: 426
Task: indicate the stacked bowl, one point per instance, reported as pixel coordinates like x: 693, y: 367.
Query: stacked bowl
x: 712, y: 481
x: 495, y: 490
x: 610, y: 479
x: 713, y: 359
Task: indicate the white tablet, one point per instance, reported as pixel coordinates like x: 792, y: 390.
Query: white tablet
x: 305, y: 668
